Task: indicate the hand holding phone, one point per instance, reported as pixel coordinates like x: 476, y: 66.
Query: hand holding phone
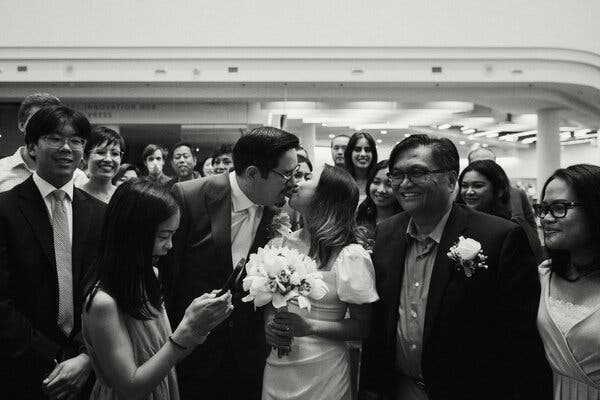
x: 233, y: 279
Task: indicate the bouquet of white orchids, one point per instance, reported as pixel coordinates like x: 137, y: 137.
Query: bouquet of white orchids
x: 279, y: 275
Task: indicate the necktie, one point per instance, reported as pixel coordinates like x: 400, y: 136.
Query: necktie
x: 242, y: 234
x: 62, y: 254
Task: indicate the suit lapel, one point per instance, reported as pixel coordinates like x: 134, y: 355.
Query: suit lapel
x: 262, y: 232
x: 392, y: 282
x: 218, y: 202
x: 34, y: 209
x: 442, y: 267
x: 81, y: 227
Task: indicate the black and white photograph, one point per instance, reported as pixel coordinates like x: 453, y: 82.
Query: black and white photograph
x: 299, y: 200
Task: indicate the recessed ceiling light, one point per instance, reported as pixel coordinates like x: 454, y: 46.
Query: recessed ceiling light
x: 323, y: 124
x: 444, y: 126
x: 469, y: 131
x: 407, y: 135
x: 379, y: 141
x: 383, y: 132
x: 463, y: 128
x: 485, y: 145
x: 462, y: 142
x: 331, y: 136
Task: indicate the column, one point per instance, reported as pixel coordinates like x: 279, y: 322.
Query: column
x: 306, y: 134
x: 548, y: 145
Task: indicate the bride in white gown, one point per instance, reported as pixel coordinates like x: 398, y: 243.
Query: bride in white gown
x: 316, y: 366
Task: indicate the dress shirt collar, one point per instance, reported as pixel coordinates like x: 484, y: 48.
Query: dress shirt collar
x: 46, y: 188
x: 435, y: 235
x: 239, y: 200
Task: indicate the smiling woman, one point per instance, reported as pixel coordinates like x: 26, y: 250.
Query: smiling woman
x: 103, y: 153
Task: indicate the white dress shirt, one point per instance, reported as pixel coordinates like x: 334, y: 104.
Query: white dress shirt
x: 242, y: 208
x: 46, y: 190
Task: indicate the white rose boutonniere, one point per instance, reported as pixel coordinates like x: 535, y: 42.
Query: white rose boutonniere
x: 468, y: 255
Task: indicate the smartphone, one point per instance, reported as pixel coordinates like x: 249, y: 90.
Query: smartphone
x: 233, y: 278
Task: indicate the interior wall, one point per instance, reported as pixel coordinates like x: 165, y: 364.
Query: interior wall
x: 435, y: 23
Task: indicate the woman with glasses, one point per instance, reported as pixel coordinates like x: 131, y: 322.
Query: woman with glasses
x: 360, y: 158
x: 103, y: 154
x: 569, y: 310
x: 380, y: 202
x: 484, y: 186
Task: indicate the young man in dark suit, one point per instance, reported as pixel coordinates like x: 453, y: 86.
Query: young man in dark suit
x: 225, y: 218
x: 442, y: 331
x: 48, y: 235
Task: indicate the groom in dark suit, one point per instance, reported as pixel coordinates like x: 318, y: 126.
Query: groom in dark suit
x: 440, y: 332
x: 225, y: 217
x: 48, y: 235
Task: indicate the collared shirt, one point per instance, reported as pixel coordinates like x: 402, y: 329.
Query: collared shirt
x: 46, y: 189
x: 14, y: 170
x: 418, y: 266
x: 240, y: 209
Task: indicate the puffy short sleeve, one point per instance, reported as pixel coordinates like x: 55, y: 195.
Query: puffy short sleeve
x: 355, y: 276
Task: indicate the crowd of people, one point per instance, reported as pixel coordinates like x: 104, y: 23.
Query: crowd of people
x: 112, y: 280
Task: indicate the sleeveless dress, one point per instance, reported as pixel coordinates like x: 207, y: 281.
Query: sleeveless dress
x: 147, y: 337
x: 318, y: 368
x: 571, y: 337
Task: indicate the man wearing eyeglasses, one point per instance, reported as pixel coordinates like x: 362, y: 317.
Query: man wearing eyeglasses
x: 16, y: 168
x: 225, y: 217
x: 48, y: 237
x: 440, y: 331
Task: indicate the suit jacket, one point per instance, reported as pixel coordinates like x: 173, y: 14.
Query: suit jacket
x: 520, y: 206
x: 30, y: 338
x: 480, y: 339
x: 199, y: 262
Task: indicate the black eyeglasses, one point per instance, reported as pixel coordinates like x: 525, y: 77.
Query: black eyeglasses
x: 558, y: 209
x: 416, y: 176
x: 289, y: 176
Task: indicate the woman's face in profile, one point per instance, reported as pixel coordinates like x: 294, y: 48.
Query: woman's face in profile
x: 569, y: 232
x: 164, y: 235
x: 301, y: 199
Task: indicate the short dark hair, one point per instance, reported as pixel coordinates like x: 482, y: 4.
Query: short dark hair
x: 443, y: 151
x: 101, y: 134
x: 262, y: 147
x: 352, y: 144
x: 124, y: 168
x: 151, y: 149
x: 337, y: 136
x: 35, y: 100
x: 480, y: 149
x: 181, y: 144
x: 500, y: 186
x: 200, y: 166
x: 302, y: 159
x: 225, y: 148
x: 366, y: 214
x: 584, y: 181
x: 123, y: 267
x: 50, y: 119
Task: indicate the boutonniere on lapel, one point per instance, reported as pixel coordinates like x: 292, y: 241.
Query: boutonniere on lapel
x: 281, y: 225
x: 468, y: 255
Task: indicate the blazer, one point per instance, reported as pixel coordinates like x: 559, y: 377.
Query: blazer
x: 480, y: 339
x: 30, y: 338
x: 199, y: 262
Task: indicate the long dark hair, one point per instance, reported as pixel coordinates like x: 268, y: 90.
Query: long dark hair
x: 352, y: 144
x: 584, y: 181
x: 366, y: 214
x: 331, y: 224
x: 500, y: 186
x: 123, y: 268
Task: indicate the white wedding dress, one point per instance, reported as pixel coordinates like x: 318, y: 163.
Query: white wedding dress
x: 318, y: 368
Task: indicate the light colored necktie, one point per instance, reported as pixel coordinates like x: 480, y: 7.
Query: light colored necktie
x: 62, y: 254
x: 242, y: 234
